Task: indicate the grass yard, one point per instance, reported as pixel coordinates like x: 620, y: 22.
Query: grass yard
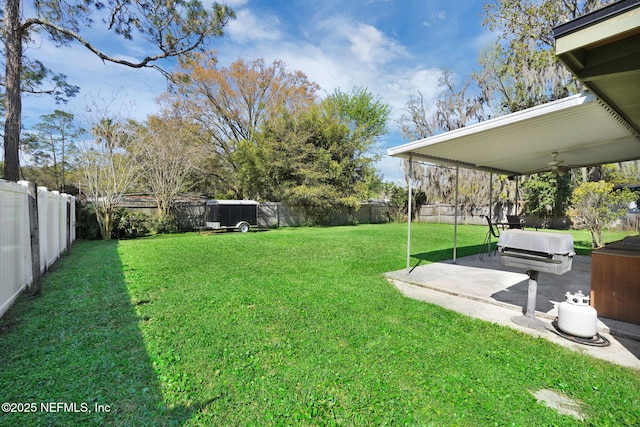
x: 284, y: 327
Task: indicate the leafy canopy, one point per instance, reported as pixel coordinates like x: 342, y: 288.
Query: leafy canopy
x: 595, y: 205
x: 229, y: 105
x: 320, y: 158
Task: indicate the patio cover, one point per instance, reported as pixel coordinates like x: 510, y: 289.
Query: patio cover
x: 601, y: 126
x: 582, y: 129
x: 602, y: 49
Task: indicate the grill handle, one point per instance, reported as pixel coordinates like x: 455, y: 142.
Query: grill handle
x: 533, y: 255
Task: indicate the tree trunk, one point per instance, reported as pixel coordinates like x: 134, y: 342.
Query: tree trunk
x: 13, y: 44
x: 104, y: 221
x: 34, y: 228
x: 55, y: 165
x: 162, y: 206
x: 62, y: 166
x: 595, y: 173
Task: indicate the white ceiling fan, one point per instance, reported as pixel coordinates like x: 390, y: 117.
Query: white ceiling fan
x: 557, y: 166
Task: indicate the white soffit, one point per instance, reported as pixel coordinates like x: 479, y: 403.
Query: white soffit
x: 600, y: 33
x: 602, y: 49
x: 580, y: 128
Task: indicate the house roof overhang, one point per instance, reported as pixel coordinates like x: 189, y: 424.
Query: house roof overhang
x: 602, y: 49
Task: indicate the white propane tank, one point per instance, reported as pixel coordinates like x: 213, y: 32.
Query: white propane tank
x: 576, y: 317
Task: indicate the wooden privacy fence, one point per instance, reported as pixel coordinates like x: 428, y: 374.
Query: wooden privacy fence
x: 36, y: 226
x: 272, y: 215
x: 189, y: 211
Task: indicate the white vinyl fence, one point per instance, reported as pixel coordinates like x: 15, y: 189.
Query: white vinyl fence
x: 32, y: 236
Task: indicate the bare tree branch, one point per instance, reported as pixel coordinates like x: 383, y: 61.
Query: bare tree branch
x: 141, y: 64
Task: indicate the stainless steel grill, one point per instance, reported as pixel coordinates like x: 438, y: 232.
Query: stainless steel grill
x: 535, y: 251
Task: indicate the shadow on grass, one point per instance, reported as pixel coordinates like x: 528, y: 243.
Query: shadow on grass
x: 447, y: 254
x: 581, y: 248
x: 76, y: 354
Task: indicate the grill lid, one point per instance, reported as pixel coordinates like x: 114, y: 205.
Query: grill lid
x: 537, y: 241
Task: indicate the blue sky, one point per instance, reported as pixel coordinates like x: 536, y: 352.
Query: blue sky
x: 394, y: 48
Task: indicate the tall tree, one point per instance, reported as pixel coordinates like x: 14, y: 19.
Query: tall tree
x: 108, y: 168
x: 366, y: 117
x: 521, y: 70
x: 36, y: 80
x: 229, y: 104
x: 167, y: 157
x: 296, y: 161
x: 546, y: 195
x: 595, y: 205
x: 455, y: 106
x: 175, y: 28
x: 54, y: 138
x: 320, y: 158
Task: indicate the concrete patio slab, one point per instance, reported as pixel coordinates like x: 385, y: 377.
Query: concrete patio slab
x: 487, y: 290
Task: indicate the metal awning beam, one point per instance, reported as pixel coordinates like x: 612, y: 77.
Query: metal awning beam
x: 447, y: 162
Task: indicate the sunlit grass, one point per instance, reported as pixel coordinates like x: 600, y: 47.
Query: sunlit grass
x: 284, y: 327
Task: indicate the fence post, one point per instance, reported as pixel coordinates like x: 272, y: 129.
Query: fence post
x: 68, y: 223
x: 34, y: 229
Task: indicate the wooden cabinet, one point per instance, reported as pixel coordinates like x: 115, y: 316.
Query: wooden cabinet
x: 615, y: 282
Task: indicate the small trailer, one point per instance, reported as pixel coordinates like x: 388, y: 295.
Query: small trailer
x: 231, y: 214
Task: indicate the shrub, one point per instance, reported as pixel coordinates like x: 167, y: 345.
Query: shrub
x: 166, y: 224
x: 87, y: 224
x: 595, y: 204
x: 546, y: 195
x: 129, y: 224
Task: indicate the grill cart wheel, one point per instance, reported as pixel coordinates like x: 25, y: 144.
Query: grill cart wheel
x: 243, y: 227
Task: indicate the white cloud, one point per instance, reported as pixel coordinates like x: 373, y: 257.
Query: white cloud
x: 316, y: 63
x: 249, y: 28
x: 370, y: 45
x: 426, y: 80
x: 358, y: 41
x: 391, y: 169
x: 435, y: 18
x: 396, y: 85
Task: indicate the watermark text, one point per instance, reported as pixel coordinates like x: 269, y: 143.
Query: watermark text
x: 68, y: 407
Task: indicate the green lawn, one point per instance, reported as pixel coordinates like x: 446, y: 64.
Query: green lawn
x: 284, y: 327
